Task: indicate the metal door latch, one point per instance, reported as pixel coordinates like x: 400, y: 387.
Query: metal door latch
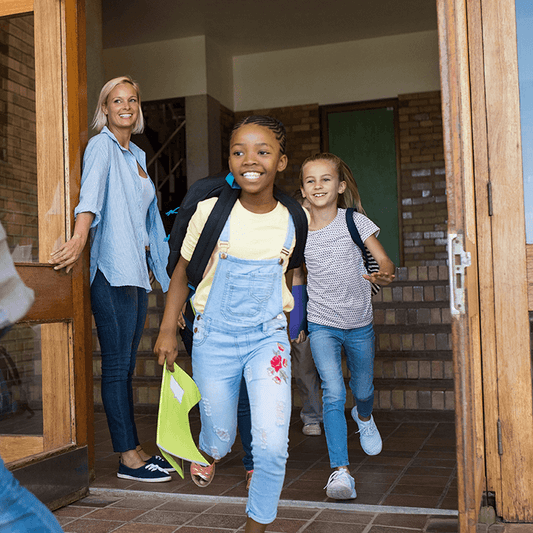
x: 458, y: 260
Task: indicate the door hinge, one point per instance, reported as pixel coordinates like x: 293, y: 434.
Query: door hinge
x: 458, y: 260
x: 489, y: 197
x: 500, y: 445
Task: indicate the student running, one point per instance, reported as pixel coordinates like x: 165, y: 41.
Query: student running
x: 240, y: 326
x: 339, y: 310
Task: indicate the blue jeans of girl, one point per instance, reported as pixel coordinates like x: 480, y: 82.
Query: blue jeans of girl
x: 119, y: 313
x: 326, y: 345
x: 243, y: 332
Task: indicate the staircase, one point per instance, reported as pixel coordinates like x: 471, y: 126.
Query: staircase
x: 413, y: 364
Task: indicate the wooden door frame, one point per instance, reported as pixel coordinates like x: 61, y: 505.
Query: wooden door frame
x: 61, y: 117
x: 484, y: 176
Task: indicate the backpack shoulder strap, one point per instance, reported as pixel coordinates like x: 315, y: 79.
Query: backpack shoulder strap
x: 354, y: 232
x: 199, y: 190
x: 300, y: 223
x: 210, y: 234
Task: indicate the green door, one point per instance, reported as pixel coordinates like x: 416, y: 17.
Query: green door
x: 365, y: 139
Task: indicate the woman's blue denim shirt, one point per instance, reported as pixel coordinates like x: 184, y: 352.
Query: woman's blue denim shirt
x: 112, y: 190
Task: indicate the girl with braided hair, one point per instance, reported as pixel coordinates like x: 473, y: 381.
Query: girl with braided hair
x: 240, y: 328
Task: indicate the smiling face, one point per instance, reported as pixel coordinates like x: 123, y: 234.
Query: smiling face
x: 254, y: 160
x: 320, y: 183
x: 122, y: 108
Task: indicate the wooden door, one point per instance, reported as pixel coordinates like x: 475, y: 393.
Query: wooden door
x: 485, y: 203
x: 463, y: 261
x: 42, y: 133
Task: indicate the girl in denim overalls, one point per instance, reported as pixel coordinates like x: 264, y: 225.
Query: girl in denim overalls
x: 240, y: 327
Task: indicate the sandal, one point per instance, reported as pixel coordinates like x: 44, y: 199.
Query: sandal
x: 249, y: 474
x: 202, y: 475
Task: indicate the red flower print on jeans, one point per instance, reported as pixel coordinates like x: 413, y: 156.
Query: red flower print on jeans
x: 275, y: 371
x: 276, y: 363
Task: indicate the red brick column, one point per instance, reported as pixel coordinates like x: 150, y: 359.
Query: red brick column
x: 423, y: 181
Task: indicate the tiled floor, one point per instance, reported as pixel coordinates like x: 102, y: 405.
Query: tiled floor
x: 410, y: 487
x: 417, y: 467
x: 160, y: 514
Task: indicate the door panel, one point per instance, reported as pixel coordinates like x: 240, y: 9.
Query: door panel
x: 509, y: 240
x: 45, y: 131
x: 485, y: 202
x: 460, y: 185
x: 371, y: 128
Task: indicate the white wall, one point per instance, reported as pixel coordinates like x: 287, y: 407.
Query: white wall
x: 343, y: 72
x: 219, y: 73
x: 164, y: 69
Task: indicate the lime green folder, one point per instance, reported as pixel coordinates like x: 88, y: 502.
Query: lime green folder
x: 179, y: 394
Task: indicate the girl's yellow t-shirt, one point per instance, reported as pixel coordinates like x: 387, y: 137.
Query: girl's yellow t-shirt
x: 252, y: 236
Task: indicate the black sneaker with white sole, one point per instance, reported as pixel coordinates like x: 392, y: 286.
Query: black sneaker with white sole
x: 162, y: 462
x: 149, y: 473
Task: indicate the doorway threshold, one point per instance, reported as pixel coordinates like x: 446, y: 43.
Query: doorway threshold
x: 293, y: 504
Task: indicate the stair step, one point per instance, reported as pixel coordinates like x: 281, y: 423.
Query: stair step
x: 410, y: 355
x: 413, y: 384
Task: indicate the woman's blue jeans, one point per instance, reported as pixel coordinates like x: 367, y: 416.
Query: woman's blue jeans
x: 119, y: 313
x: 326, y: 345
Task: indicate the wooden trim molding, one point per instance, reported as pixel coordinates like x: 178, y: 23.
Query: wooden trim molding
x: 529, y: 261
x: 15, y: 7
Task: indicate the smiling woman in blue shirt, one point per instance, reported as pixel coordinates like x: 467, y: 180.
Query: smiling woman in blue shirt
x: 118, y: 211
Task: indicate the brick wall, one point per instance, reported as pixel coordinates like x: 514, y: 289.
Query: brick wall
x: 303, y: 138
x: 18, y: 166
x: 423, y: 181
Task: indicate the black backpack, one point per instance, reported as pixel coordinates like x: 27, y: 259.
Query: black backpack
x: 220, y: 186
x: 370, y: 263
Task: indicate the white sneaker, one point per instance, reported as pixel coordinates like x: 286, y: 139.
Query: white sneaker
x: 312, y: 429
x: 341, y: 485
x: 368, y: 434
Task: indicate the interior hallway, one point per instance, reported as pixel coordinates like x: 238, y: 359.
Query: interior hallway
x: 400, y: 490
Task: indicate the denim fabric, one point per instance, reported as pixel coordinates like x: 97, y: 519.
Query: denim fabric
x: 308, y: 382
x: 326, y: 344
x: 20, y: 510
x: 243, y: 331
x: 244, y: 417
x: 112, y: 190
x: 119, y: 313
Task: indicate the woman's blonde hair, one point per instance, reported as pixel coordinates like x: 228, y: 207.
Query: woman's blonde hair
x: 350, y: 197
x: 100, y: 118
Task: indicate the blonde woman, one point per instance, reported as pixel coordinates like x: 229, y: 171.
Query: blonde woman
x: 118, y: 209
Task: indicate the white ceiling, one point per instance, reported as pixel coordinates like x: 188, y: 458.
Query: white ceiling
x: 251, y: 26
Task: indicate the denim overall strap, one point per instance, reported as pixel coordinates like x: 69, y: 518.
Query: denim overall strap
x: 247, y: 292
x: 284, y: 254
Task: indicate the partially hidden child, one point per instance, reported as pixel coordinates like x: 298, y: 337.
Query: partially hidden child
x: 240, y: 328
x: 339, y: 310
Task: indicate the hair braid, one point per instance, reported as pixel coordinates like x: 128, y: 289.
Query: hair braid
x: 271, y: 123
